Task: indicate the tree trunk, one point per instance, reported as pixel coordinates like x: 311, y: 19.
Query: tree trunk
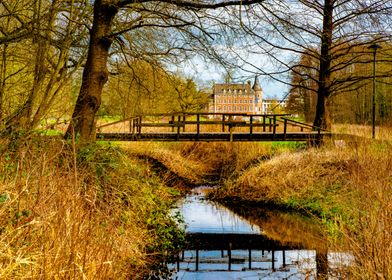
x: 95, y: 73
x: 323, y: 118
x: 3, y: 76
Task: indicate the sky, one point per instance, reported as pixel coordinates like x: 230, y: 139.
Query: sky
x: 205, y: 73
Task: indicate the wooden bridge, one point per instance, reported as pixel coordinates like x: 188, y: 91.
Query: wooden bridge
x: 209, y: 127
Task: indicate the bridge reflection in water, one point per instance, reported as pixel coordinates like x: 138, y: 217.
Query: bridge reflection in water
x: 256, y: 244
x: 241, y: 252
x: 228, y: 243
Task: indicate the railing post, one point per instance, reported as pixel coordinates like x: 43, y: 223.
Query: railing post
x: 263, y: 123
x: 172, y: 121
x: 250, y: 127
x: 270, y: 122
x: 223, y: 123
x: 274, y: 124
x: 183, y: 119
x: 285, y: 129
x: 178, y: 128
x: 231, y: 128
x: 139, y: 128
x: 197, y: 127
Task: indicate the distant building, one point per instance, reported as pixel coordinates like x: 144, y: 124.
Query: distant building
x: 272, y: 106
x: 237, y: 98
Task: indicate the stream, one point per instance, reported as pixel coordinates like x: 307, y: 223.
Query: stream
x: 251, y: 244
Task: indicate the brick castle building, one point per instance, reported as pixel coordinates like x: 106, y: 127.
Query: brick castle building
x: 237, y: 98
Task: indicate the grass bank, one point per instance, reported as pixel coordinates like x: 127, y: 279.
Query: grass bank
x: 348, y: 187
x: 201, y: 162
x: 100, y: 213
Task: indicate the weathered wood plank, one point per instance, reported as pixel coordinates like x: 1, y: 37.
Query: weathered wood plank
x: 175, y: 124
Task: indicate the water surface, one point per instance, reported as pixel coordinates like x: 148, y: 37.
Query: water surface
x: 283, y: 230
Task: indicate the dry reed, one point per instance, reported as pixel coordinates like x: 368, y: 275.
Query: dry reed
x: 86, y: 221
x: 349, y: 186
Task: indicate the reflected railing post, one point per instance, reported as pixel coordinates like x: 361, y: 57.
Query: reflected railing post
x: 197, y: 259
x: 250, y: 258
x: 273, y: 260
x: 229, y: 255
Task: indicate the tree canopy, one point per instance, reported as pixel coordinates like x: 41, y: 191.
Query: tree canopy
x: 58, y: 55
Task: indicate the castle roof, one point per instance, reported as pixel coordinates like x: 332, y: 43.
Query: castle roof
x: 256, y: 85
x: 228, y: 86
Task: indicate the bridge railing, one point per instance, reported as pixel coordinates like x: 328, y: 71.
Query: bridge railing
x: 197, y: 123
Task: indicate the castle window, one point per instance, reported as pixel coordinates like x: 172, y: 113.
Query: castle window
x: 250, y: 100
x: 240, y: 100
x: 229, y: 108
x: 224, y: 108
x: 245, y: 101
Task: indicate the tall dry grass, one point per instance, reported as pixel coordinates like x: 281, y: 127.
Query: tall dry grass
x: 175, y: 158
x: 96, y: 214
x: 227, y: 160
x: 349, y: 187
x: 197, y: 162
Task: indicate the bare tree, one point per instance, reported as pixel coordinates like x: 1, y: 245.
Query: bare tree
x: 183, y: 17
x: 49, y: 49
x: 329, y: 32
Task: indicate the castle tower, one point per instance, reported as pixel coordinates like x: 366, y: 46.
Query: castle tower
x: 258, y: 92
